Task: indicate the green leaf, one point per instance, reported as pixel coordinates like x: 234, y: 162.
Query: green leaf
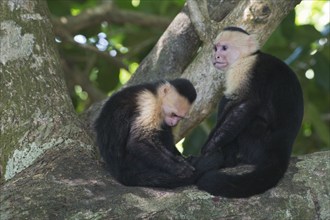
x: 319, y: 125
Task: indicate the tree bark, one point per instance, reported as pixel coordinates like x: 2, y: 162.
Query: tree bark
x: 36, y: 112
x: 49, y: 169
x: 177, y: 46
x: 73, y: 186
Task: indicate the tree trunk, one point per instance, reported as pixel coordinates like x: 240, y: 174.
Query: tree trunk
x: 36, y: 112
x: 49, y: 169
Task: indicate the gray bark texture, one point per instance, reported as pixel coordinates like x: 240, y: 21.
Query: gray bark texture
x: 50, y: 170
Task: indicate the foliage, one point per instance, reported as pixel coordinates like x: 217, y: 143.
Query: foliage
x: 303, y: 47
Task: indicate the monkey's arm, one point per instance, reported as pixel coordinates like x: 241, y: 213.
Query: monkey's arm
x: 158, y: 157
x: 221, y: 108
x: 229, y: 127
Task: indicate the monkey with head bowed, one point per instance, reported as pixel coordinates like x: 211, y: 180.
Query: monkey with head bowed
x: 135, y: 138
x: 258, y: 118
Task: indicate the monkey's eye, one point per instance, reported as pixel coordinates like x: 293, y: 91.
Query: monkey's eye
x: 174, y: 115
x: 215, y: 48
x: 224, y: 47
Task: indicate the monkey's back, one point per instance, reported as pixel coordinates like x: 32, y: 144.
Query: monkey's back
x: 114, y: 123
x: 277, y: 85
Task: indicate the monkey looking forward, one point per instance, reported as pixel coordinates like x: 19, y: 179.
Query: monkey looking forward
x: 258, y: 117
x: 135, y: 138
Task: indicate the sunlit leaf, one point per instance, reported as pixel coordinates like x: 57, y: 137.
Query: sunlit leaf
x: 124, y: 76
x: 75, y: 11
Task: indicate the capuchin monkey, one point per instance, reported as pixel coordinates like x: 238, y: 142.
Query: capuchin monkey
x: 258, y: 118
x: 135, y: 138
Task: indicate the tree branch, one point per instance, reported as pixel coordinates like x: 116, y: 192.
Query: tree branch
x: 106, y: 12
x: 72, y: 185
x: 200, y: 18
x: 67, y: 37
x: 75, y: 77
x: 177, y: 46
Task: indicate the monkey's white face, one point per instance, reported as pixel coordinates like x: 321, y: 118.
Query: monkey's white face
x: 231, y: 46
x: 170, y: 117
x: 174, y: 107
x: 225, y: 54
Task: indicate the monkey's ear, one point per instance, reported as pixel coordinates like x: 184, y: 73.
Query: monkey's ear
x: 164, y: 89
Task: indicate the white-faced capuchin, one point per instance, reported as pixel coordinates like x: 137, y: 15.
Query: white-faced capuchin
x: 258, y: 118
x: 135, y: 138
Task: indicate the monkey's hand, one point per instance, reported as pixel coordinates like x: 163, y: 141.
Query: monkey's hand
x: 184, y: 169
x: 209, y: 161
x: 217, y: 139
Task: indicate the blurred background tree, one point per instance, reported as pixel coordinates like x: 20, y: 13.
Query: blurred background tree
x: 99, y: 54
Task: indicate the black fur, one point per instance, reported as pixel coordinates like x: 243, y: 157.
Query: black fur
x: 258, y: 127
x: 186, y: 91
x: 140, y: 160
x: 232, y: 28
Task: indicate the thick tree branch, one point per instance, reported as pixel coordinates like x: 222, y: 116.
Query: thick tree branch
x: 200, y: 18
x: 74, y: 186
x: 177, y: 46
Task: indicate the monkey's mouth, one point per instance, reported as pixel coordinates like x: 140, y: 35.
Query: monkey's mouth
x: 219, y: 65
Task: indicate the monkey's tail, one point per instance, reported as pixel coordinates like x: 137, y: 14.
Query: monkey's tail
x: 241, y: 186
